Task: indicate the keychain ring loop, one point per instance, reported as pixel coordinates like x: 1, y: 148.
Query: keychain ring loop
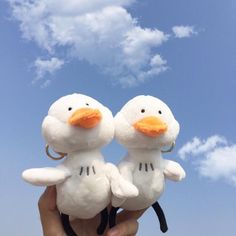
x: 61, y: 155
x: 170, y: 149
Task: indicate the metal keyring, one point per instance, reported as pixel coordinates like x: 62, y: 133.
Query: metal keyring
x: 62, y: 155
x: 170, y: 149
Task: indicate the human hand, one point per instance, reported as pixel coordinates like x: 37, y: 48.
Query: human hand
x: 127, y: 224
x: 49, y: 214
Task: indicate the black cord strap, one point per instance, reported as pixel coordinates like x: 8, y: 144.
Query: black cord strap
x: 66, y: 225
x: 157, y: 208
x: 104, y: 220
x: 161, y: 216
x: 100, y: 230
x: 112, y: 216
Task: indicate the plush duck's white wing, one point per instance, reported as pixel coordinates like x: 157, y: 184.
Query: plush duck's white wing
x: 173, y: 170
x: 121, y: 186
x: 45, y: 176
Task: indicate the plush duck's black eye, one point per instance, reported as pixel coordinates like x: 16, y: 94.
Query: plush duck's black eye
x: 86, y: 104
x: 143, y: 110
x: 70, y: 108
x: 160, y: 112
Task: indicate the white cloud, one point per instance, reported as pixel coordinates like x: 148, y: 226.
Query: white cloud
x: 220, y: 163
x: 102, y: 32
x: 216, y: 157
x: 44, y: 67
x: 182, y: 31
x: 46, y: 83
x: 197, y: 146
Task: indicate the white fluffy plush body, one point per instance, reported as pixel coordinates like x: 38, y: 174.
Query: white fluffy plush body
x: 145, y: 126
x: 79, y: 126
x: 87, y: 191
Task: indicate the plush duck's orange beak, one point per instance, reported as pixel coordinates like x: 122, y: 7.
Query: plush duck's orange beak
x: 86, y: 118
x: 151, y: 126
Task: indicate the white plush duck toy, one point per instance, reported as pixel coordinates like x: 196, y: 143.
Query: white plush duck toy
x: 78, y: 126
x: 145, y: 126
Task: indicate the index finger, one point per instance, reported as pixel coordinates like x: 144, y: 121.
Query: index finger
x: 125, y: 228
x: 49, y: 215
x: 126, y: 215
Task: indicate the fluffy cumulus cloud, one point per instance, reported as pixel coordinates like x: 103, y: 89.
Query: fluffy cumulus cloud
x: 197, y: 146
x: 101, y: 32
x: 216, y: 157
x: 182, y: 31
x: 220, y: 163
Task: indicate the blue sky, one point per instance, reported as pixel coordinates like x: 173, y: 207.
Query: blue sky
x: 195, y: 76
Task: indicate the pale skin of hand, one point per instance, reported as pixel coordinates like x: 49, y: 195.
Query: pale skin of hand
x: 127, y: 224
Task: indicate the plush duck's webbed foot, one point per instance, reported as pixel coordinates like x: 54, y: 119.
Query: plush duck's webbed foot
x: 161, y: 216
x: 66, y: 225
x: 104, y: 220
x: 120, y: 187
x: 45, y: 176
x: 173, y: 170
x: 112, y: 216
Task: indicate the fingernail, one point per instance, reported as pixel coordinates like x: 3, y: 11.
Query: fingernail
x: 114, y: 232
